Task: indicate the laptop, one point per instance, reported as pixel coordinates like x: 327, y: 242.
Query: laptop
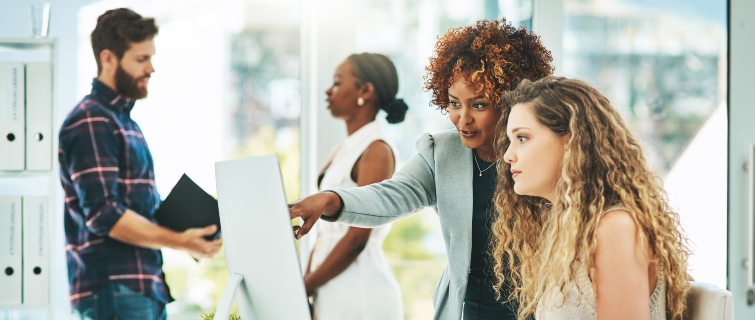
x: 259, y: 242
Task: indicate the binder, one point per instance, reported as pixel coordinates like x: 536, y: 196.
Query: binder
x: 38, y: 116
x: 36, y: 252
x: 12, y: 112
x: 10, y: 250
x: 188, y: 206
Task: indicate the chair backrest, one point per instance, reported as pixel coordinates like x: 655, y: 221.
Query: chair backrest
x: 708, y: 302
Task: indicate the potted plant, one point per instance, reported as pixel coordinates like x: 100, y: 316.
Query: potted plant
x: 210, y: 315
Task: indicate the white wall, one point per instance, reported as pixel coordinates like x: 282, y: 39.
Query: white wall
x: 696, y: 186
x: 328, y: 36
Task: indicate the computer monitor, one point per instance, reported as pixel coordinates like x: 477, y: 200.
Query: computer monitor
x: 259, y: 244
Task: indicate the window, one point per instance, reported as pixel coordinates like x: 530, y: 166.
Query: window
x: 663, y: 65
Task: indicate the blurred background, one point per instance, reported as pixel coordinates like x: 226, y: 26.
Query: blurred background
x: 239, y: 78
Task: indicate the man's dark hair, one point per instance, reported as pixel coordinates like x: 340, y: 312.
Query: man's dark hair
x: 117, y: 29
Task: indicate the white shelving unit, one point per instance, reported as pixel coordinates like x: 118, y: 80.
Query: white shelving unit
x: 45, y: 183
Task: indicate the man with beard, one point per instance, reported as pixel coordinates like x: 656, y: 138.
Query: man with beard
x: 112, y: 243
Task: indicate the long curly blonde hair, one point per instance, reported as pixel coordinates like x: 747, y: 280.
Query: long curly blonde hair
x: 544, y: 244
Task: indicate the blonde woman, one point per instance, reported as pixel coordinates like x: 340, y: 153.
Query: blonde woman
x: 586, y: 222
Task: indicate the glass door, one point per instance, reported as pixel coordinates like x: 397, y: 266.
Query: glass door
x: 741, y: 186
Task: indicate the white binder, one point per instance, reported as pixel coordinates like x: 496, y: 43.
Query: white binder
x: 12, y: 116
x: 10, y: 250
x: 38, y: 116
x: 36, y: 275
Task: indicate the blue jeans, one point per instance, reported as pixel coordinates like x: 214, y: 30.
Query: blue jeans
x: 118, y: 302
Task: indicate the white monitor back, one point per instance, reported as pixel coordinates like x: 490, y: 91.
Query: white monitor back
x: 259, y: 241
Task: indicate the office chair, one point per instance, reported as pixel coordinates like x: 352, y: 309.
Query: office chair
x: 708, y: 302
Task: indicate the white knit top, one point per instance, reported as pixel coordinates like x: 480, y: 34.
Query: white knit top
x: 579, y: 303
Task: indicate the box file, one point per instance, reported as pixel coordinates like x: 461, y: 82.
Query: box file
x: 10, y: 250
x: 12, y: 112
x: 38, y: 116
x: 36, y: 252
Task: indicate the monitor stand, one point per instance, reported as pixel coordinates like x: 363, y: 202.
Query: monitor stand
x: 226, y: 300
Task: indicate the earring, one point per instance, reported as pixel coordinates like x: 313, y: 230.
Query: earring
x: 360, y: 101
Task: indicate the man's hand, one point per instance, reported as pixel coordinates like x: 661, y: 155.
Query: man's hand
x: 136, y: 230
x: 193, y: 242
x: 311, y: 208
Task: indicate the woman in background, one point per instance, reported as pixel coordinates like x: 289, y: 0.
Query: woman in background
x: 584, y: 223
x: 347, y: 273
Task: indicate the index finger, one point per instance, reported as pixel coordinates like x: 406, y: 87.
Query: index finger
x: 308, y: 223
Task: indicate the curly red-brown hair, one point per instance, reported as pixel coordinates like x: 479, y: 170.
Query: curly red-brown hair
x: 492, y: 56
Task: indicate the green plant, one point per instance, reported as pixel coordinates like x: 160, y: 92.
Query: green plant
x: 210, y: 315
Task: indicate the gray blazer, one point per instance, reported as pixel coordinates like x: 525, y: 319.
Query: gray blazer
x: 439, y: 176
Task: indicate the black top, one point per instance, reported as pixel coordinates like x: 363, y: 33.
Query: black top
x: 480, y: 302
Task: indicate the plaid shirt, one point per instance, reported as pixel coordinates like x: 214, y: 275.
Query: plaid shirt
x: 106, y: 168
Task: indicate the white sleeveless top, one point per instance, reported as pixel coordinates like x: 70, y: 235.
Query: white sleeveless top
x: 367, y: 289
x: 579, y: 303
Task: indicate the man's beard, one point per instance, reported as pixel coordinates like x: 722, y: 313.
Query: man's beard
x: 128, y: 86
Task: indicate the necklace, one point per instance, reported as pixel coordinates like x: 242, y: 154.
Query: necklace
x: 478, y: 164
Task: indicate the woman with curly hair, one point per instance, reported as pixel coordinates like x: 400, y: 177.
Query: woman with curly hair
x: 454, y: 171
x: 584, y: 223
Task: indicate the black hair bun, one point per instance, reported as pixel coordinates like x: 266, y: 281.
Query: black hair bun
x: 396, y: 111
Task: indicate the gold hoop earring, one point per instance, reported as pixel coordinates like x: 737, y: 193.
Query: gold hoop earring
x: 360, y: 101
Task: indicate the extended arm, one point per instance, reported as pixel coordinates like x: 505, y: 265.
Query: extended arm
x: 411, y: 189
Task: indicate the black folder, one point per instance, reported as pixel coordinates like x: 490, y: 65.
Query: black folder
x: 188, y: 206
